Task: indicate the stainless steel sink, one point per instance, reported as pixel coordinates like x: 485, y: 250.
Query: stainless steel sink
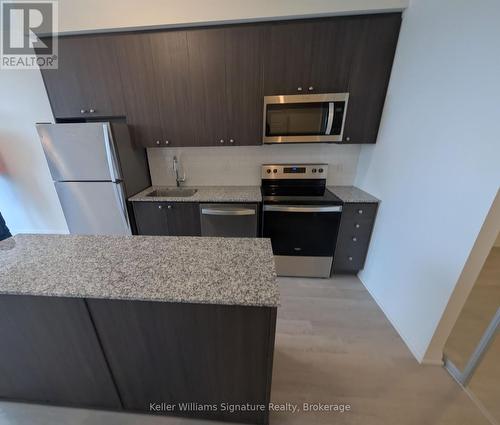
x: 174, y: 192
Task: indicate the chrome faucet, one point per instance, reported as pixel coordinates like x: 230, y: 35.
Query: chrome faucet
x: 178, y: 180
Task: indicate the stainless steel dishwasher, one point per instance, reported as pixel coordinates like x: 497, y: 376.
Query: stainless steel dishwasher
x: 229, y: 220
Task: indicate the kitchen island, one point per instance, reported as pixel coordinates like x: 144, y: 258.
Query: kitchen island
x: 168, y: 325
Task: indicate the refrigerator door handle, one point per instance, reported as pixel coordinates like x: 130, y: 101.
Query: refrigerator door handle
x: 110, y: 153
x: 123, y: 206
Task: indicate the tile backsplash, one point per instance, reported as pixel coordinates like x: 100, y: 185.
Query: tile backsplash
x: 240, y: 165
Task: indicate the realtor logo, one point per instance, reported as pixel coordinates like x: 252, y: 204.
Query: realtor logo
x: 29, y: 39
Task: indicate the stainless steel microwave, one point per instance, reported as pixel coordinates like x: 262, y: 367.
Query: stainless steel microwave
x: 304, y: 118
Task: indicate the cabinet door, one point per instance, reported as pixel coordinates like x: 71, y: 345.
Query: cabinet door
x: 86, y: 79
x: 189, y: 353
x: 208, y: 86
x: 354, y: 236
x: 243, y: 58
x: 287, y: 58
x: 333, y: 48
x: 49, y: 353
x: 171, y: 76
x: 183, y: 219
x: 369, y: 76
x: 135, y: 58
x: 151, y: 218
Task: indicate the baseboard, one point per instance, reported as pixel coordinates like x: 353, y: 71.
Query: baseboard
x: 416, y: 353
x: 455, y: 373
x: 432, y: 362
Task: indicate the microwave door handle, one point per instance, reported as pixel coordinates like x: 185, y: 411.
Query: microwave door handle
x: 329, y: 121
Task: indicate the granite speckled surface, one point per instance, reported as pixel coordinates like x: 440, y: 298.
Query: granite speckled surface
x: 352, y: 194
x: 205, y: 194
x: 234, y: 271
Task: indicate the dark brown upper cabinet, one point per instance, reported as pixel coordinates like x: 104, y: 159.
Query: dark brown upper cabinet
x: 369, y: 76
x: 244, y: 94
x: 85, y: 84
x: 225, y: 77
x: 346, y: 54
x: 140, y: 90
x: 207, y: 79
x: 334, y: 46
x: 205, y: 86
x: 311, y: 56
x: 170, y: 74
x: 287, y: 58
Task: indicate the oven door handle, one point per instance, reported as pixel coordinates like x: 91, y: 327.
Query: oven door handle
x: 303, y: 208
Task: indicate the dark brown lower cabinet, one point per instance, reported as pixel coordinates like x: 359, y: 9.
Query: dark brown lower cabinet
x: 205, y: 356
x: 49, y: 353
x: 354, y: 236
x: 167, y: 218
x: 183, y: 219
x: 202, y: 360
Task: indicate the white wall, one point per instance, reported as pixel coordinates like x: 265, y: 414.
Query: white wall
x: 436, y: 163
x: 27, y: 197
x: 240, y: 165
x: 466, y: 281
x: 90, y: 15
x: 28, y: 200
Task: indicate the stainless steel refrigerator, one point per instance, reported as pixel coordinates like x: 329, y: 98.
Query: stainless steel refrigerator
x: 95, y: 167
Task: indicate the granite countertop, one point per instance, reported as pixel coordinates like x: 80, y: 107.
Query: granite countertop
x: 205, y: 194
x: 234, y: 271
x: 351, y: 194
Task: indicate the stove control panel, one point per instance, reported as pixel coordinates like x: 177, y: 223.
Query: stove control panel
x: 294, y: 171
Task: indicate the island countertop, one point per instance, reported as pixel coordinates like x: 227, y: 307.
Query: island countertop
x: 230, y: 271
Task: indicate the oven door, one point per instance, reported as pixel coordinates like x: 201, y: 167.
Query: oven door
x: 303, y: 237
x: 304, y: 118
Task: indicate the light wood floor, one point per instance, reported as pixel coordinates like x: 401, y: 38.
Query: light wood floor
x: 333, y: 345
x: 480, y: 307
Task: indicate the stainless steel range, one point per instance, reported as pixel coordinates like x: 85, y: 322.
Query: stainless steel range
x: 301, y: 216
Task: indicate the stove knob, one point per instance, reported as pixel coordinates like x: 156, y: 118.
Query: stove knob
x: 320, y: 170
x: 268, y: 171
x: 275, y: 170
x: 314, y: 170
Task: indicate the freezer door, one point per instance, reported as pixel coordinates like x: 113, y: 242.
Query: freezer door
x: 94, y: 208
x: 80, y: 152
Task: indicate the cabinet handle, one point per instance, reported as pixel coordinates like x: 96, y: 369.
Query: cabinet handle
x: 167, y: 142
x: 157, y: 142
x: 91, y: 111
x: 169, y: 207
x: 347, y: 138
x: 231, y: 140
x: 159, y: 207
x: 221, y: 141
x: 311, y: 88
x: 83, y: 111
x: 299, y: 88
x: 349, y: 258
x: 357, y: 226
x: 360, y: 212
x: 354, y: 239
